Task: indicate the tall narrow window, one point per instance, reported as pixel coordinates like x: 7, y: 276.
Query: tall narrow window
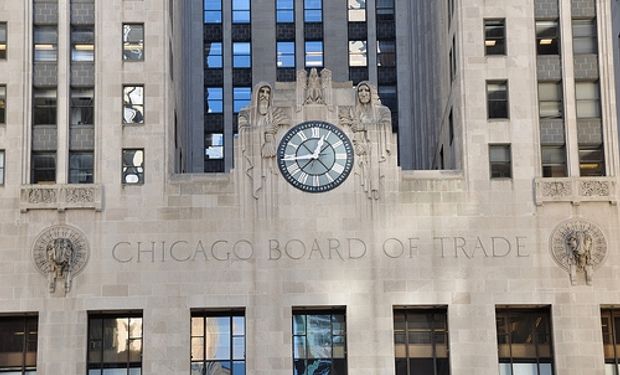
x: 314, y: 54
x: 588, y: 97
x: 2, y: 167
x: 133, y: 104
x: 213, y: 11
x: 241, y: 11
x: 554, y: 161
x: 241, y: 98
x: 285, y: 54
x: 591, y: 160
x: 500, y: 160
x: 550, y: 99
x: 242, y: 55
x: 115, y: 344
x: 421, y: 341
x: 133, y: 42
x: 358, y: 53
x: 214, y: 146
x: 386, y: 53
x: 2, y: 104
x: 357, y: 10
x: 285, y: 11
x: 313, y: 10
x: 495, y: 36
x: 497, y: 99
x: 610, y: 323
x: 213, y: 55
x: 218, y: 343
x: 3, y: 40
x: 44, y: 106
x: 133, y: 166
x: 214, y: 100
x: 385, y: 9
x: 82, y: 106
x: 585, y: 39
x: 43, y: 167
x: 18, y: 345
x: 45, y: 43
x: 82, y: 43
x: 547, y: 37
x: 524, y: 341
x: 81, y: 166
x: 319, y: 342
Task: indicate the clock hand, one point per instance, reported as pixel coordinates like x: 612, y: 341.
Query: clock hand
x: 302, y: 157
x: 319, y: 145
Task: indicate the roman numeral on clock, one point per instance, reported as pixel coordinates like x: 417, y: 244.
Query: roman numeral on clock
x: 316, y: 132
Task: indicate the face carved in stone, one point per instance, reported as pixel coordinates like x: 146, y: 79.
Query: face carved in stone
x: 363, y: 94
x: 264, y: 98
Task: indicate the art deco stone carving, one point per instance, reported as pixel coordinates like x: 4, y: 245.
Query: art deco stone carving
x: 60, y: 253
x: 372, y: 130
x: 42, y: 195
x: 575, y: 190
x: 314, y: 88
x: 61, y: 197
x: 594, y: 188
x: 258, y: 126
x: 579, y: 247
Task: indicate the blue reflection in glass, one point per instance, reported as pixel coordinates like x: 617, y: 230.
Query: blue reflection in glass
x: 213, y: 55
x: 214, y: 99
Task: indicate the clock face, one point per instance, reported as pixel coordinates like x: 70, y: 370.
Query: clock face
x: 315, y: 156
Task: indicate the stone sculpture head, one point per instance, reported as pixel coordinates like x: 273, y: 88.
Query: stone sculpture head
x: 264, y: 99
x: 364, y: 94
x: 60, y: 251
x: 579, y: 243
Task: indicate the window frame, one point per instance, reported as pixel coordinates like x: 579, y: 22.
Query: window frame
x: 291, y: 10
x: 559, y: 101
x: 241, y: 55
x: 239, y: 90
x: 596, y: 84
x: 5, y: 55
x: 306, y: 54
x: 124, y: 42
x: 280, y: 54
x: 352, y: 55
x: 220, y: 12
x: 593, y: 37
x: 313, y: 10
x: 98, y: 315
x: 2, y: 166
x: 490, y: 101
x: 503, y: 163
x: 143, y: 121
x: 219, y: 100
x: 27, y: 320
x: 140, y: 174
x: 3, y: 100
x: 220, y: 55
x: 247, y: 11
x: 73, y: 90
x: 74, y: 43
x: 54, y: 157
x: 555, y: 40
x: 91, y: 175
x: 488, y: 23
x: 354, y: 11
x: 53, y: 44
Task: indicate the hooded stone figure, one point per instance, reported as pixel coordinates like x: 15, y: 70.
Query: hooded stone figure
x: 258, y: 126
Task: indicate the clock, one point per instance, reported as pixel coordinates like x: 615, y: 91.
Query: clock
x: 315, y: 156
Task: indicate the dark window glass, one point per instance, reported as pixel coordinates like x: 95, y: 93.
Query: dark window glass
x: 385, y: 7
x: 500, y: 160
x: 83, y: 43
x: 550, y: 100
x: 133, y: 166
x: 213, y: 55
x: 547, y: 37
x: 495, y: 36
x: 43, y: 167
x: 218, y: 343
x: 610, y: 324
x: 285, y: 54
x: 389, y: 97
x: 241, y: 11
x: 115, y: 344
x: 524, y: 341
x: 241, y: 98
x: 285, y: 11
x: 386, y: 53
x: 214, y: 100
x: 585, y: 37
x: 314, y: 54
x: 554, y: 161
x: 213, y: 11
x: 497, y: 99
x: 451, y: 126
x: 591, y: 161
x: 133, y: 104
x: 133, y: 42
x: 3, y: 40
x: 18, y: 345
x: 81, y: 167
x: 44, y: 107
x: 421, y: 341
x: 242, y: 55
x: 82, y: 106
x: 313, y: 10
x: 45, y: 43
x: 319, y: 342
x: 2, y: 104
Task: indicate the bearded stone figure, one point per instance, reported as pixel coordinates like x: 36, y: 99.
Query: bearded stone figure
x: 579, y: 248
x: 60, y: 257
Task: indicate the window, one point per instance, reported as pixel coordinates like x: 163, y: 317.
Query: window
x: 550, y: 100
x: 554, y: 161
x: 319, y: 342
x: 214, y: 100
x: 588, y: 97
x: 45, y: 43
x: 285, y: 54
x: 591, y: 161
x: 386, y: 53
x: 242, y: 55
x: 213, y: 55
x: 82, y: 106
x: 451, y: 126
x: 214, y: 146
x: 357, y: 10
x: 285, y: 11
x: 495, y: 37
x: 524, y: 341
x: 81, y: 167
x: 584, y: 37
x: 218, y: 343
x: 18, y: 345
x: 547, y: 37
x: 213, y: 11
x: 133, y: 166
x: 241, y: 98
x: 133, y: 42
x: 500, y: 161
x: 44, y: 106
x: 610, y: 323
x: 389, y: 97
x: 43, y: 167
x: 314, y: 54
x: 2, y: 167
x: 241, y: 11
x: 2, y: 104
x: 3, y: 40
x: 133, y: 104
x: 421, y: 341
x: 114, y: 344
x: 313, y: 10
x: 497, y: 99
x: 385, y: 8
x: 358, y: 51
x: 82, y: 43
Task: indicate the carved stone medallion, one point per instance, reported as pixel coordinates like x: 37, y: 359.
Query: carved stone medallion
x: 579, y: 247
x: 60, y: 253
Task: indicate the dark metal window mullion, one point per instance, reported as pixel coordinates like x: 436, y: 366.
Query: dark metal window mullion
x: 507, y: 328
x: 433, y: 343
x: 24, y: 345
x: 407, y: 361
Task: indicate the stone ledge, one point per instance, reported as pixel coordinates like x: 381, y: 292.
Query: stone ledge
x: 575, y: 190
x: 61, y: 197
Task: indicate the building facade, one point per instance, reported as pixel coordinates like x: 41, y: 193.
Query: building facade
x: 317, y: 251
